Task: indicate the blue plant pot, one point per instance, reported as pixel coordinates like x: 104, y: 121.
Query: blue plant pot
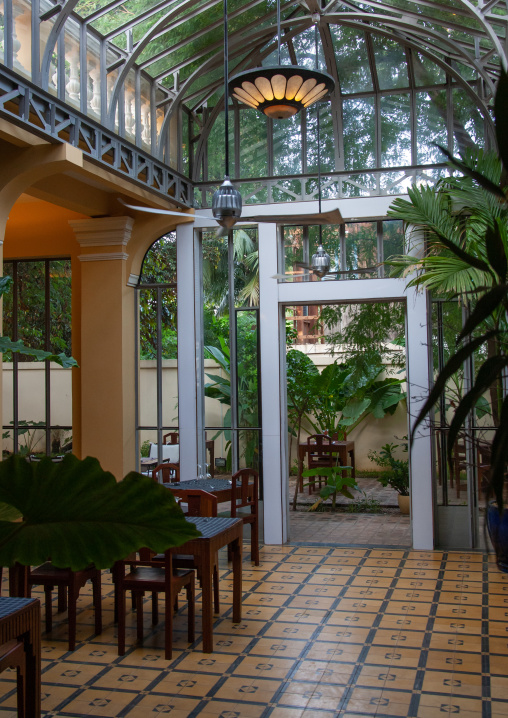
x: 498, y: 532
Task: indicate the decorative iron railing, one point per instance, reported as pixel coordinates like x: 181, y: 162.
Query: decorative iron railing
x: 28, y: 106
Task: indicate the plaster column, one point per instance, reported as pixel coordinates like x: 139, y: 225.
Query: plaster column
x: 107, y: 344
x: 273, y: 392
x: 418, y: 387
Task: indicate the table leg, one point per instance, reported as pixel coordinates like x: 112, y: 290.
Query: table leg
x: 206, y: 602
x: 300, y: 469
x: 33, y: 667
x: 236, y: 550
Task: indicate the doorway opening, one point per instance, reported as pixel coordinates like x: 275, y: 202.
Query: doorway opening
x: 347, y: 424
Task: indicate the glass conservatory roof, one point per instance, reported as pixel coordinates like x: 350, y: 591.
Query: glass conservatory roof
x: 364, y: 45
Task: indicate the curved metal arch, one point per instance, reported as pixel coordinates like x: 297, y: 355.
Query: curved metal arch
x: 57, y: 28
x: 469, y: 10
x: 122, y: 75
x: 357, y: 20
x: 404, y: 41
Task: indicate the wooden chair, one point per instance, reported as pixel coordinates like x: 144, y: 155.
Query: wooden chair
x: 12, y: 655
x: 68, y: 582
x: 319, y: 456
x: 170, y: 473
x: 199, y: 503
x: 246, y: 497
x: 173, y: 437
x: 147, y: 574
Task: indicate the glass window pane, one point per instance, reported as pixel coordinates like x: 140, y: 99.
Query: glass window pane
x: 159, y: 264
x: 215, y: 152
x: 31, y: 303
x: 468, y: 123
x: 245, y: 243
x: 391, y: 63
x: 60, y: 292
x: 352, y: 59
x: 253, y: 144
x: 249, y: 450
x: 361, y: 248
x: 148, y: 324
x: 287, y: 146
x: 430, y: 126
x: 294, y: 252
x: 395, y: 130
x: 305, y: 50
x: 393, y: 239
x: 247, y: 368
x: 359, y: 133
x: 326, y: 138
x: 427, y: 72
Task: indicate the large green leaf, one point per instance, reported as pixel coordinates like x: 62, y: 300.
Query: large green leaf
x: 484, y: 309
x: 76, y: 513
x: 5, y: 284
x: 7, y: 345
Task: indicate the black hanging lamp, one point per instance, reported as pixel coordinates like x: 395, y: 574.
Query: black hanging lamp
x: 226, y: 201
x: 280, y: 91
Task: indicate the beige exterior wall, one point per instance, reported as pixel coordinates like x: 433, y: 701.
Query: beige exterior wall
x: 370, y: 435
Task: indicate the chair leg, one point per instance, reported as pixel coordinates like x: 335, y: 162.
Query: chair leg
x: 97, y: 602
x: 49, y: 608
x: 168, y: 628
x: 71, y: 614
x: 138, y: 596
x: 120, y: 608
x: 216, y: 596
x: 62, y: 599
x: 155, y: 608
x: 254, y: 542
x: 20, y: 682
x: 191, y: 615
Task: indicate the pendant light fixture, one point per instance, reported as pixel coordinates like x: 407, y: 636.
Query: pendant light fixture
x: 226, y: 201
x: 280, y: 91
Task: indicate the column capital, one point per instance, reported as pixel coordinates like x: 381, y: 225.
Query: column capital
x: 103, y: 231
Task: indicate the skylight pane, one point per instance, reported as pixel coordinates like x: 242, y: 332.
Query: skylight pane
x: 359, y: 133
x: 391, y: 64
x: 430, y: 126
x: 352, y: 60
x: 395, y: 130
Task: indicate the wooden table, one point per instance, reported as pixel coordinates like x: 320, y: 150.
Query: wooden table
x: 221, y: 488
x: 20, y: 618
x: 215, y: 534
x: 342, y: 448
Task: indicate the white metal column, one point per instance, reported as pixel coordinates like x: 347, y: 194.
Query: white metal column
x: 273, y: 393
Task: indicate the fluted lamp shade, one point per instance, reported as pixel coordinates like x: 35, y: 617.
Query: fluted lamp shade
x: 280, y: 91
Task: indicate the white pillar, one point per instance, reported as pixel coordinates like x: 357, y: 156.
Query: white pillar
x: 189, y: 377
x: 273, y: 394
x: 418, y: 386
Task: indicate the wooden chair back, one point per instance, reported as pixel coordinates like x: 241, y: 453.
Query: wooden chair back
x: 199, y: 502
x: 170, y: 473
x: 246, y: 497
x: 172, y: 436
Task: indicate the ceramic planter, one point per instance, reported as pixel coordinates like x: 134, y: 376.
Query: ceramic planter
x: 404, y: 504
x: 498, y: 532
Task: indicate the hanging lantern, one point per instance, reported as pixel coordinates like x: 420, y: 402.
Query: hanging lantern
x: 280, y: 91
x: 227, y: 204
x: 320, y: 264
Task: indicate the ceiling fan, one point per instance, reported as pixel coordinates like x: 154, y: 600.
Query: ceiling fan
x: 227, y: 221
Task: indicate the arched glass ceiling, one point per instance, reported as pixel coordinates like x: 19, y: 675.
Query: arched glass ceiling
x: 152, y: 72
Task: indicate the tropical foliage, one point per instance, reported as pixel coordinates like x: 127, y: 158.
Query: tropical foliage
x: 78, y: 514
x: 397, y: 473
x: 466, y: 226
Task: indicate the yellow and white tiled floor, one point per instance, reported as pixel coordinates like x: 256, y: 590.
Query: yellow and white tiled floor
x: 326, y: 632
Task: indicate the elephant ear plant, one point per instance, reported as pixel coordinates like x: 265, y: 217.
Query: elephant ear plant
x: 76, y: 513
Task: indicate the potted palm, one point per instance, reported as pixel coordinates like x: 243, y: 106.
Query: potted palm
x: 466, y: 225
x: 396, y: 474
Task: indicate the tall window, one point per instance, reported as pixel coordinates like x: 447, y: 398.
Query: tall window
x: 231, y: 331
x: 157, y: 370
x: 37, y: 396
